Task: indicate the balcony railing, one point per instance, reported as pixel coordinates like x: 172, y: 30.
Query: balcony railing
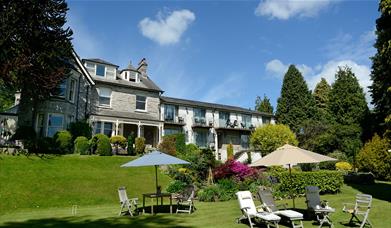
x: 202, y: 122
x: 175, y: 120
x: 235, y: 124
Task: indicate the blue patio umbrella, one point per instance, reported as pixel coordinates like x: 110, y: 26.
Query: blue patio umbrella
x: 155, y: 158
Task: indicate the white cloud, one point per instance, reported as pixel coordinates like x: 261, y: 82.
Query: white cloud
x: 313, y: 74
x: 285, y: 9
x: 167, y: 29
x: 276, y: 68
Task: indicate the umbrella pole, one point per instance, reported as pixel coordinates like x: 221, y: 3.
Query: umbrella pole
x: 290, y: 177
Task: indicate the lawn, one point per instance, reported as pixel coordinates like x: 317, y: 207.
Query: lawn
x: 38, y: 192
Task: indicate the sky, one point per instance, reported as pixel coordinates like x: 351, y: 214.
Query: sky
x: 229, y: 52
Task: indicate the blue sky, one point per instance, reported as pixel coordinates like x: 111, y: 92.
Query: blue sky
x: 228, y: 51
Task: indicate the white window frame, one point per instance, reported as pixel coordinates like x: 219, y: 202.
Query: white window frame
x: 146, y: 102
x: 72, y: 97
x: 48, y: 119
x: 99, y: 95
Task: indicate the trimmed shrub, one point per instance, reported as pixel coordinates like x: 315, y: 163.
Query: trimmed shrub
x: 82, y: 145
x: 343, y: 166
x: 118, y: 141
x: 168, y: 145
x: 230, y: 151
x: 130, y: 144
x: 374, y: 157
x: 271, y: 136
x: 176, y: 186
x: 24, y: 133
x: 80, y: 128
x: 140, y: 145
x: 359, y: 178
x: 100, y: 144
x: 327, y: 181
x: 63, y: 141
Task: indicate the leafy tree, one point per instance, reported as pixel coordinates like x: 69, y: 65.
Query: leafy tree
x: 347, y: 99
x: 35, y: 47
x: 271, y: 136
x: 296, y: 103
x: 374, y: 157
x: 263, y: 105
x: 6, y: 97
x: 381, y: 67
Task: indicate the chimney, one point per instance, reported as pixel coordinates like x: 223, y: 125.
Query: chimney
x: 142, y: 67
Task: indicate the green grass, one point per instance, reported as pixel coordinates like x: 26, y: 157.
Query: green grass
x: 91, y: 182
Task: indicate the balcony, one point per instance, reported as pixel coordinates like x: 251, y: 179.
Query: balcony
x: 177, y: 120
x: 202, y: 122
x: 235, y: 125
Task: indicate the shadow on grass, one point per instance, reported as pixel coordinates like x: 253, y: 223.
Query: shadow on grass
x: 85, y: 221
x: 379, y: 190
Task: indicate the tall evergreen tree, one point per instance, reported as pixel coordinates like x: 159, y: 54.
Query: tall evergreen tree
x: 35, y: 47
x: 349, y: 109
x: 296, y: 102
x: 321, y: 95
x: 347, y: 100
x: 381, y: 68
x: 263, y: 105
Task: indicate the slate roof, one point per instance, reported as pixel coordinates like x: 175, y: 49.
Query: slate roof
x: 100, y: 61
x: 130, y: 115
x: 222, y: 107
x: 144, y: 84
x: 13, y: 111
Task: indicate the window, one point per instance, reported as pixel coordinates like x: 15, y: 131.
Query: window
x: 169, y: 112
x: 246, y: 121
x: 223, y: 119
x: 265, y: 120
x: 61, y: 89
x: 55, y: 123
x: 90, y: 67
x: 172, y: 131
x: 40, y: 124
x: 100, y: 70
x: 103, y: 127
x: 244, y: 141
x: 141, y: 103
x: 201, y: 137
x: 110, y: 72
x: 199, y: 116
x: 72, y: 89
x: 104, y: 96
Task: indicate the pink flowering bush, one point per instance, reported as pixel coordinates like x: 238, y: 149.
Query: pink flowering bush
x: 234, y: 169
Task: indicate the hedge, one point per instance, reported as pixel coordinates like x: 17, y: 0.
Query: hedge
x: 327, y: 181
x: 100, y: 144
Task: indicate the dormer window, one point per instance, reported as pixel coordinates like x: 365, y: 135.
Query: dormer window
x: 100, y: 70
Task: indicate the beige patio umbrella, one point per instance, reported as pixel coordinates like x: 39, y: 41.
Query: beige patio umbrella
x: 291, y: 155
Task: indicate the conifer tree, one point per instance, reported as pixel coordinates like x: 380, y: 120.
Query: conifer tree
x: 321, y: 95
x: 347, y: 100
x: 263, y: 105
x: 381, y: 68
x: 296, y: 102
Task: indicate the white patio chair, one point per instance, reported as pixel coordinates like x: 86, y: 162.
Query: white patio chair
x: 361, y: 208
x: 266, y: 196
x: 321, y: 209
x: 127, y: 205
x: 249, y: 211
x: 185, y: 200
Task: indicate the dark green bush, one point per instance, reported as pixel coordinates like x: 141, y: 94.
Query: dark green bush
x: 359, y: 178
x: 63, y: 142
x: 330, y: 165
x: 80, y: 128
x: 168, y: 145
x: 176, y: 186
x: 130, y: 144
x: 46, y: 145
x: 82, y: 145
x: 180, y: 143
x: 209, y: 194
x: 24, y: 133
x: 227, y: 189
x: 140, y: 145
x: 100, y: 144
x: 327, y: 181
